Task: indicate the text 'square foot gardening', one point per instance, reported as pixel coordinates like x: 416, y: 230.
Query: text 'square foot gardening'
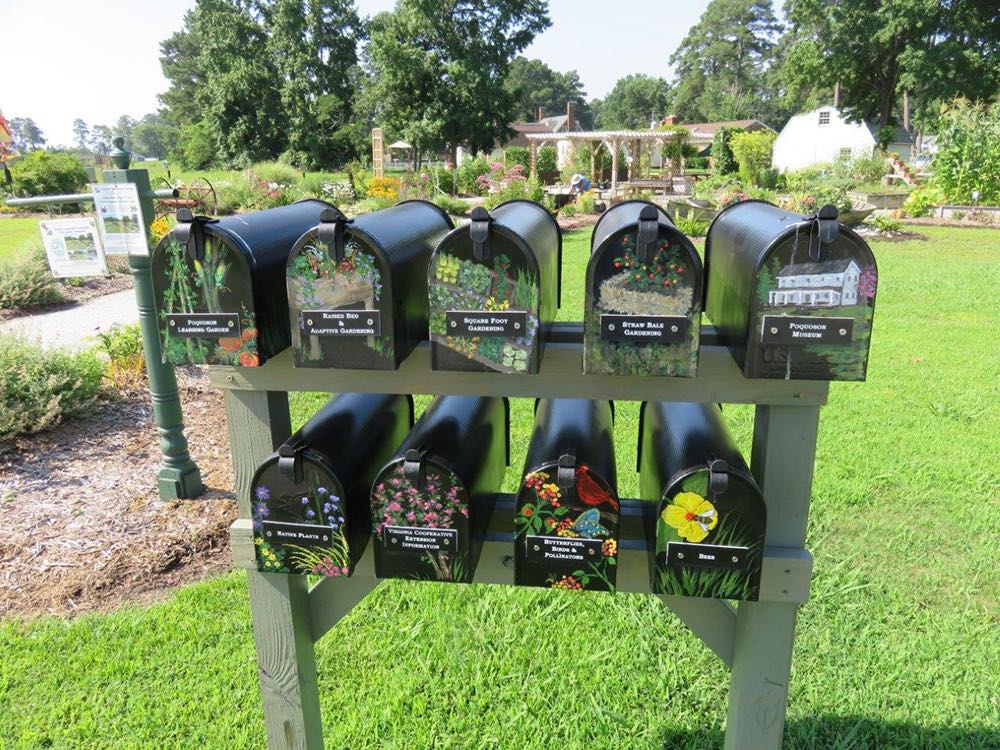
x: 217, y: 284
x: 493, y: 290
x: 431, y: 503
x: 792, y: 297
x: 642, y: 312
x: 567, y: 512
x: 703, y: 512
x: 310, y: 498
x: 358, y: 288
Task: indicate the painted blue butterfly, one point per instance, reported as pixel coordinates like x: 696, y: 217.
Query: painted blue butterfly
x: 588, y: 525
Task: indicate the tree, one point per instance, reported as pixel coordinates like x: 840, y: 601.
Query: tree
x: 180, y: 60
x: 634, y: 102
x: 752, y: 151
x: 123, y: 126
x: 100, y: 139
x: 721, y: 63
x: 438, y: 68
x: 532, y: 84
x: 27, y: 135
x: 154, y: 136
x: 876, y: 51
x: 81, y: 133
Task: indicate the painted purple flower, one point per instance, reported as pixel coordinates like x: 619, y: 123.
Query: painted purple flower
x: 321, y: 490
x: 340, y: 519
x: 310, y: 513
x: 262, y: 510
x: 262, y: 492
x: 327, y: 507
x: 305, y: 501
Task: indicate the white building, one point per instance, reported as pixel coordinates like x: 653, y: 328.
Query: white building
x: 823, y: 135
x: 828, y: 284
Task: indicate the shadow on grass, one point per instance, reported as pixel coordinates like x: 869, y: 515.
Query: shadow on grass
x: 851, y: 733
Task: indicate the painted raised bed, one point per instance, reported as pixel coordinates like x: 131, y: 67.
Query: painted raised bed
x: 310, y: 497
x: 493, y: 289
x: 703, y: 512
x: 218, y: 284
x: 567, y: 512
x: 792, y: 297
x: 358, y: 288
x: 642, y: 314
x: 431, y: 503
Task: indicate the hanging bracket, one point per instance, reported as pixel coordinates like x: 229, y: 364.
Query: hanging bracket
x: 566, y: 475
x: 415, y: 468
x: 649, y: 231
x: 332, y: 225
x: 479, y: 231
x: 718, y: 477
x: 190, y: 233
x: 827, y: 222
x: 290, y: 461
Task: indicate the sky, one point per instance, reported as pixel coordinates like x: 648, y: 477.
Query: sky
x: 100, y: 60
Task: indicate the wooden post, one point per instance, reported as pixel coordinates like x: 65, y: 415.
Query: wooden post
x: 593, y: 162
x: 378, y: 153
x: 286, y: 660
x: 533, y: 171
x: 613, y: 145
x: 782, y: 461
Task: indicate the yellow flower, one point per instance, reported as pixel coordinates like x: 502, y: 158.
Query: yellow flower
x: 692, y: 515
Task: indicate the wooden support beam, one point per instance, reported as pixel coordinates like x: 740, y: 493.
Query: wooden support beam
x: 712, y: 620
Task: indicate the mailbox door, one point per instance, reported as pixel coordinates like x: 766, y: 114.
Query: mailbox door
x: 643, y: 318
x: 812, y: 320
x: 484, y: 316
x: 709, y: 544
x: 566, y: 537
x: 205, y: 308
x: 421, y: 533
x: 301, y: 528
x: 342, y: 314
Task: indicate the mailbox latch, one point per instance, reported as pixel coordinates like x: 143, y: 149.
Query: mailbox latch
x: 566, y: 474
x: 415, y: 468
x: 190, y: 233
x: 332, y: 225
x: 718, y: 477
x: 479, y: 231
x: 649, y: 232
x: 290, y: 461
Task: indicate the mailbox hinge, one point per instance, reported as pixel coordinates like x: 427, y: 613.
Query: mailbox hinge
x: 649, y: 231
x: 290, y: 461
x: 479, y: 231
x: 827, y: 224
x: 332, y: 225
x: 718, y: 477
x: 415, y: 468
x: 566, y: 475
x: 190, y: 233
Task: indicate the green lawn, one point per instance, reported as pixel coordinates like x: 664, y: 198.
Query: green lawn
x: 16, y: 235
x: 897, y: 649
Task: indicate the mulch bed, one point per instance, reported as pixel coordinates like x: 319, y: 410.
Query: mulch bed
x: 84, y: 528
x: 903, y: 235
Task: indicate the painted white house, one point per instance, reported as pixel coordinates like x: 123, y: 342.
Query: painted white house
x: 827, y: 284
x: 823, y: 135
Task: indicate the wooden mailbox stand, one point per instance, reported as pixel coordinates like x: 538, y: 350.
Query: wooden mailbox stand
x: 753, y: 638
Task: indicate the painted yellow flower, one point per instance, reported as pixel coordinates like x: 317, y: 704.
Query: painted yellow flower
x: 692, y: 515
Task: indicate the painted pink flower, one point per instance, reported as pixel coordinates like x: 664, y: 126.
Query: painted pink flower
x: 411, y: 516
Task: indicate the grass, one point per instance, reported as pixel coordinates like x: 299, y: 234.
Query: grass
x: 16, y: 235
x: 896, y: 650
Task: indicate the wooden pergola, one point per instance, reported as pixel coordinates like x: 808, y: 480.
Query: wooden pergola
x: 634, y: 142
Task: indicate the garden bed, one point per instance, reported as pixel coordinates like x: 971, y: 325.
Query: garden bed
x: 84, y: 528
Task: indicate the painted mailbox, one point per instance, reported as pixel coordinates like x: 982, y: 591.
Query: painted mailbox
x: 791, y: 296
x: 703, y: 512
x: 310, y: 498
x: 358, y: 288
x: 567, y: 511
x: 432, y: 501
x: 217, y: 284
x: 642, y: 313
x: 493, y: 290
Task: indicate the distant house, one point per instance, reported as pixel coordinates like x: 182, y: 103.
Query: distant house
x: 826, y: 284
x: 823, y: 135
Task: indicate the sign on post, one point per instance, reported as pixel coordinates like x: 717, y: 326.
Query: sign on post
x: 73, y: 247
x: 119, y: 216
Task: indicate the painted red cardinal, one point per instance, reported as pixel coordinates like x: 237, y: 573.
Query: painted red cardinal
x: 589, y: 491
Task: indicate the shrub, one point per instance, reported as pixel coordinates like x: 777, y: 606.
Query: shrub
x: 884, y: 223
x: 586, y: 202
x: 968, y: 157
x: 752, y: 151
x: 723, y: 161
x: 921, y: 200
x: 195, y: 146
x: 548, y: 159
x: 273, y: 172
x: 518, y: 155
x: 707, y: 188
x: 443, y: 180
x: 41, y: 387
x: 468, y: 174
x: 453, y: 206
x: 127, y: 361
x: 359, y: 176
x: 297, y: 159
x: 697, y: 162
x: 691, y: 225
x: 26, y: 281
x: 568, y: 210
x: 48, y: 173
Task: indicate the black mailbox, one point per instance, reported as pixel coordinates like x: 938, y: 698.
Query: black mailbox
x: 310, y: 498
x: 567, y: 512
x: 703, y: 512
x: 494, y: 290
x: 358, y: 288
x: 644, y: 293
x: 218, y: 284
x: 791, y: 296
x: 431, y: 504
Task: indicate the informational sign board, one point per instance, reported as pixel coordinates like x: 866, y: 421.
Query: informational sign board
x: 73, y: 247
x: 120, y: 218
